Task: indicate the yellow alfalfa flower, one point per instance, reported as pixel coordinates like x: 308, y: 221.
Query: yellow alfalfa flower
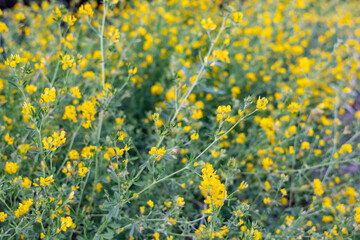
x: 49, y: 95
x: 14, y: 59
x: 222, y: 55
x: 67, y: 62
x: 70, y: 19
x: 212, y: 188
x: 243, y: 185
x: 261, y: 103
x: 180, y: 201
x: 267, y: 201
x: 113, y: 33
x: 194, y: 136
x: 8, y: 139
x: 24, y: 207
x: 3, y: 27
x: 237, y: 16
x: 267, y: 162
x: 75, y: 92
x: 30, y: 89
x: 11, y: 167
x: 159, y: 153
x: 294, y: 107
x: 208, y: 24
x: 70, y: 113
x: 82, y: 169
x: 2, y: 216
x: 67, y: 222
x: 86, y: 10
x: 44, y: 181
x: 317, y: 187
x: 55, y: 141
x: 150, y: 203
x: 88, y: 112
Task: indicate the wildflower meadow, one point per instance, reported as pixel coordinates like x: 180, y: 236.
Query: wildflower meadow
x: 180, y: 119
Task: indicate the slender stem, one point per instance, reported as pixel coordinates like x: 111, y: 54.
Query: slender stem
x: 101, y: 114
x: 70, y: 147
x: 102, y: 44
x: 334, y: 140
x: 164, y: 178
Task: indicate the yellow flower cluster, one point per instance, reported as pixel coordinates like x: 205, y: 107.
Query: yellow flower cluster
x: 55, y: 141
x: 158, y: 152
x: 212, y: 189
x: 24, y: 207
x: 49, y: 95
x: 13, y: 61
x: 88, y: 112
x: 11, y: 167
x: 70, y: 113
x: 67, y: 222
x: 223, y: 113
x: 208, y: 233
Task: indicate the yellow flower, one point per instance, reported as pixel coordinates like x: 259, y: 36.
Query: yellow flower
x: 88, y: 112
x: 98, y: 187
x: 159, y: 153
x: 266, y: 162
x: 243, y: 185
x: 150, y: 203
x: 46, y: 181
x: 267, y: 200
x: 83, y: 170
x: 122, y: 135
x: 156, y: 236
x: 208, y: 24
x: 222, y: 55
x: 67, y: 62
x: 2, y: 216
x: 156, y: 89
x: 74, y: 155
x: 76, y: 92
x: 211, y: 188
x: 238, y: 16
x: 70, y: 19
x: 66, y: 222
x: 49, y: 95
x: 294, y: 107
x: 8, y: 139
x: 86, y: 10
x: 26, y: 183
x: 3, y: 27
x: 54, y: 141
x: 70, y: 113
x: 305, y: 145
x: 194, y: 136
x: 326, y: 202
x: 30, y: 88
x: 327, y: 219
x: 11, y: 167
x: 180, y: 201
x: 24, y: 207
x: 14, y: 59
x: 113, y: 33
x: 317, y: 187
x: 261, y: 103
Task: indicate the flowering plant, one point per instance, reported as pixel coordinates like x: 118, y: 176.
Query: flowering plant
x: 180, y: 120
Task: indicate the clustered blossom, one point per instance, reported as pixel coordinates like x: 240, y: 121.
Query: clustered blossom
x: 212, y: 188
x: 55, y: 141
x: 157, y: 152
